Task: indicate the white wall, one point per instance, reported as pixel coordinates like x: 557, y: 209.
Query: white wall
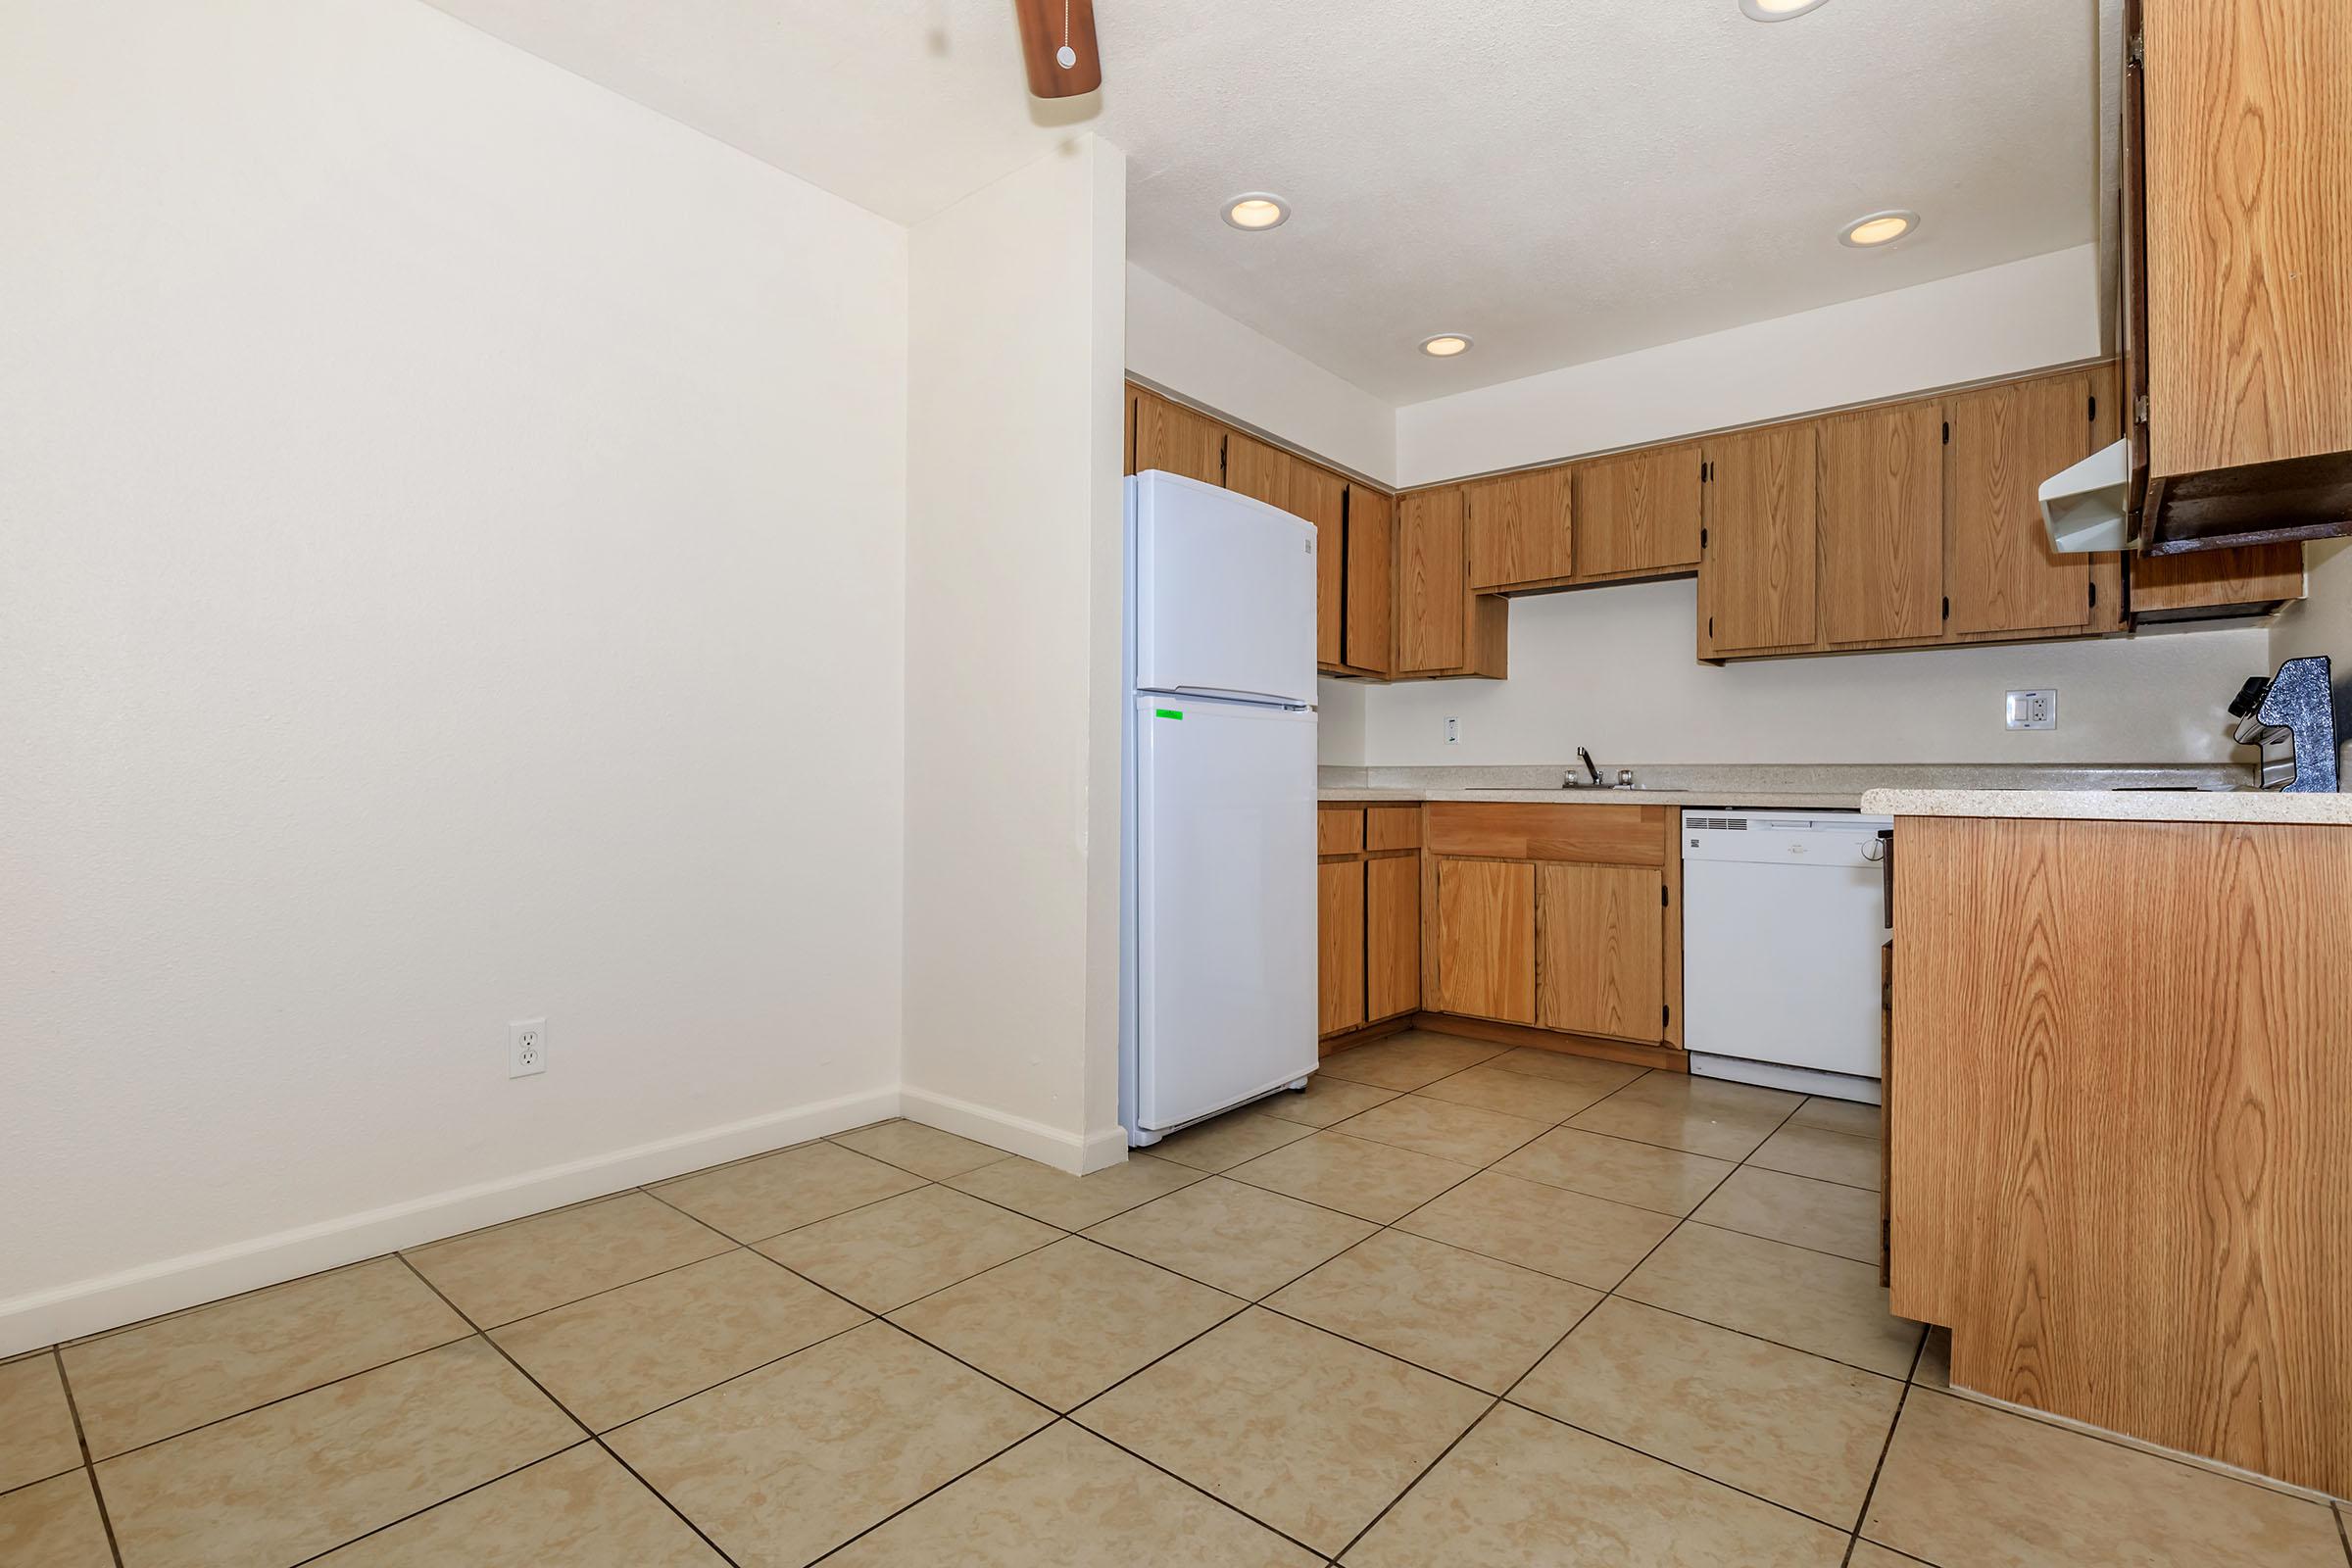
x: 1340, y: 722
x: 1177, y: 342
x: 2019, y: 316
x: 453, y: 524
x: 1614, y: 669
x: 1014, y: 535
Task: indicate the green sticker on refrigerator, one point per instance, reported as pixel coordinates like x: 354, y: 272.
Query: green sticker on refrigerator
x: 1171, y: 713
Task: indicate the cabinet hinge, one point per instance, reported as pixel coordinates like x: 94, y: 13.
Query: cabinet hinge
x: 1665, y: 1015
x: 1661, y: 898
x: 1710, y: 626
x: 2094, y: 414
x: 1947, y: 432
x: 1707, y: 474
x: 1702, y: 538
x: 1947, y: 606
x: 2095, y: 592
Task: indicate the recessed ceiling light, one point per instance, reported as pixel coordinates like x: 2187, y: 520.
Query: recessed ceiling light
x: 1446, y: 345
x: 1874, y: 229
x: 1779, y: 10
x: 1258, y: 208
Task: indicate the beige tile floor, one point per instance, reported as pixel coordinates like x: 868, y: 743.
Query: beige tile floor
x: 1454, y: 1305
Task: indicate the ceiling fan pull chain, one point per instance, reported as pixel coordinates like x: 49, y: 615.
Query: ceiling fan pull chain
x: 1065, y: 56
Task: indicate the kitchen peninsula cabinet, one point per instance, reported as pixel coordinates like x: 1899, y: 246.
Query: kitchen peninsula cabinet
x: 2121, y: 1119
x: 1368, y: 904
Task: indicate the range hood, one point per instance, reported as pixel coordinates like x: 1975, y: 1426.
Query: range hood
x: 2087, y: 508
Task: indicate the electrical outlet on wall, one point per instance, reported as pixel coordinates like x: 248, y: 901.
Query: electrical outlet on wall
x: 526, y: 1046
x: 1454, y: 732
x: 2033, y: 710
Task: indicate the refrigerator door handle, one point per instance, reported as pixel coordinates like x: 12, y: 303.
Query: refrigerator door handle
x: 1276, y: 698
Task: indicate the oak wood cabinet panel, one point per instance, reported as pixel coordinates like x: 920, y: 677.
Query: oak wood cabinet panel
x: 2120, y: 1128
x: 1392, y: 937
x: 2249, y: 577
x: 1999, y: 570
x: 2247, y: 158
x: 1519, y: 528
x: 1338, y: 829
x: 1486, y: 939
x: 1303, y: 490
x: 1601, y: 962
x: 1368, y: 638
x: 1392, y: 827
x: 1172, y: 438
x: 1340, y: 943
x: 1758, y: 578
x: 1432, y: 591
x: 1512, y: 830
x: 1881, y: 524
x: 1637, y: 511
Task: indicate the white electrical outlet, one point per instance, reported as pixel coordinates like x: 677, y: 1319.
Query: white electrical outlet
x: 2033, y: 710
x: 1454, y: 732
x: 526, y: 1046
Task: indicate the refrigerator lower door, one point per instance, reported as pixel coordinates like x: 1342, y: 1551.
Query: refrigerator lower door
x: 1221, y: 906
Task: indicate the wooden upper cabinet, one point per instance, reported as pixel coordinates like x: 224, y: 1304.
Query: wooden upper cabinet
x: 1519, y: 528
x: 1999, y: 570
x: 1433, y: 598
x: 1881, y: 524
x: 1298, y: 487
x: 2246, y: 122
x: 1171, y: 437
x: 1486, y: 939
x: 1601, y: 966
x: 1758, y: 577
x: 1641, y: 511
x: 1368, y: 635
x: 2249, y: 579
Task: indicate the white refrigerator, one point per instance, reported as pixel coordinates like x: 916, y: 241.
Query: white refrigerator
x: 1217, y: 864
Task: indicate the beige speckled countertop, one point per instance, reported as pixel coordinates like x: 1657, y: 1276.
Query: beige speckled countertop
x: 1838, y: 786
x: 2114, y: 805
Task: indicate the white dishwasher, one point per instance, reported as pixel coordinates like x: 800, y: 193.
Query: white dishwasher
x: 1784, y: 914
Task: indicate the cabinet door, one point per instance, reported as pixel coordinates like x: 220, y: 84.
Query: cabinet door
x: 1301, y: 489
x: 1432, y: 594
x: 1881, y: 524
x: 1486, y: 947
x: 1339, y: 945
x: 1999, y: 564
x: 2250, y: 575
x: 1602, y: 964
x: 1757, y: 581
x: 1368, y: 641
x: 1637, y: 513
x: 1519, y: 528
x: 1392, y: 937
x: 1175, y: 440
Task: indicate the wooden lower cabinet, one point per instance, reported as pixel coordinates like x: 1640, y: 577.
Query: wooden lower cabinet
x: 1368, y: 911
x: 1339, y: 917
x: 1392, y: 937
x: 1600, y: 957
x: 1486, y: 939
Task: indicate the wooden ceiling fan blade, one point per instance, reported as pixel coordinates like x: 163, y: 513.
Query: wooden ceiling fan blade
x: 1053, y: 31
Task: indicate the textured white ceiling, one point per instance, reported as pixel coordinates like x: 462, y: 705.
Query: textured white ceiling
x: 1565, y: 180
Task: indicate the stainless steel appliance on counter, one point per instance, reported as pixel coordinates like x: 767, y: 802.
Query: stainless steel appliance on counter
x: 2292, y: 717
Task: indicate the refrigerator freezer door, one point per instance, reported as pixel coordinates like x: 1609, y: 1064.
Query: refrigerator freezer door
x: 1223, y: 593
x: 1224, y: 906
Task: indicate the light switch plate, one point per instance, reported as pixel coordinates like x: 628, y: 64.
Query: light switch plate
x: 2033, y: 710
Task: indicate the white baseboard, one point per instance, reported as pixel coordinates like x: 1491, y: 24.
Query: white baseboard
x: 1048, y: 1146
x: 88, y: 1306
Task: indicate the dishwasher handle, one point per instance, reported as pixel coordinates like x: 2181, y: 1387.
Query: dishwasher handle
x: 1883, y: 852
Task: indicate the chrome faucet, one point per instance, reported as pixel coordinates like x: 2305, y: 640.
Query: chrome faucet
x: 1591, y: 772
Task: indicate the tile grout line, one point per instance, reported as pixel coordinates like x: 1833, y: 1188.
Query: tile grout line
x: 89, y: 1466
x: 568, y: 1411
x: 419, y: 1513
